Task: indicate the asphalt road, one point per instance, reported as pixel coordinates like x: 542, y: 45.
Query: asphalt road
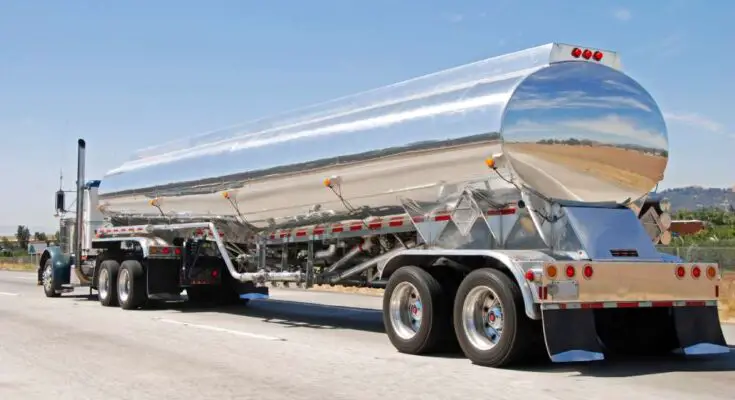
x: 304, y: 345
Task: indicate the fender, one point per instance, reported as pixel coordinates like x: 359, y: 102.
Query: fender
x: 61, y: 263
x: 516, y: 261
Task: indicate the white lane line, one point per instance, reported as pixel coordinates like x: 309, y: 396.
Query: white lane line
x: 223, y: 330
x: 9, y: 294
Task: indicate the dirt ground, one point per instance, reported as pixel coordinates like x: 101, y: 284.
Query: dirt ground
x: 628, y: 168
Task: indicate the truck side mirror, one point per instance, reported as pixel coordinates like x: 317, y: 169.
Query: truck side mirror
x: 60, y: 201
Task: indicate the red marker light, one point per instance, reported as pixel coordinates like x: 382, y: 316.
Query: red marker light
x: 177, y: 251
x: 530, y: 276
x: 576, y: 52
x: 165, y: 250
x: 570, y: 271
x: 680, y: 272
x: 597, y: 56
x: 587, y: 54
x: 696, y: 272
x: 215, y: 273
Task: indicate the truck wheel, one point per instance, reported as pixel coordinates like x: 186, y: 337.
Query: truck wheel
x: 416, y: 311
x: 489, y: 321
x: 131, y: 285
x: 48, y: 280
x: 107, y: 283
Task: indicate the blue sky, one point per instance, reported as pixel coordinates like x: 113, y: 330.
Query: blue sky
x: 126, y: 75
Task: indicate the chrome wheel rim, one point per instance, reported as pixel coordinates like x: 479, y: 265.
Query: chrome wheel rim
x: 482, y: 317
x: 103, y: 285
x: 123, y: 285
x: 48, y: 278
x: 406, y: 310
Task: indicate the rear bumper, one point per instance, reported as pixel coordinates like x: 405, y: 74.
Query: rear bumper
x: 629, y: 306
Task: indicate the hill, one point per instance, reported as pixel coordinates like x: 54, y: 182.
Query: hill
x: 695, y: 197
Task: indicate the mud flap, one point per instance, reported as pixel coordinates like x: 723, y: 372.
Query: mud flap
x: 698, y: 330
x: 571, y: 336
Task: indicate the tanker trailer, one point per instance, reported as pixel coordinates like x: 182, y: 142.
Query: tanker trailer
x: 495, y: 202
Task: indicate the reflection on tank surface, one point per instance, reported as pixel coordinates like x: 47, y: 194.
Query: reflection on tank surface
x: 585, y: 132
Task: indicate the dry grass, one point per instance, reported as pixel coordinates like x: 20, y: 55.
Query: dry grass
x: 611, y: 164
x: 17, y: 267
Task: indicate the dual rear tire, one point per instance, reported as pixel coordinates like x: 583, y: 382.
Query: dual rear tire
x: 484, y: 315
x: 122, y: 284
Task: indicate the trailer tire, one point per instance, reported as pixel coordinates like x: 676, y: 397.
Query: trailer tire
x: 131, y: 285
x: 411, y: 292
x: 48, y: 279
x: 107, y: 283
x: 473, y: 308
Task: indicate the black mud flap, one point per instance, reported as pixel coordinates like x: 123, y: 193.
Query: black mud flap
x: 699, y: 331
x: 571, y: 336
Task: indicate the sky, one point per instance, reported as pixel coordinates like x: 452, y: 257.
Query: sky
x: 133, y: 74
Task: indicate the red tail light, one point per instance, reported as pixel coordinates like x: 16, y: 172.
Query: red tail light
x: 215, y: 273
x: 570, y: 271
x: 587, y: 271
x: 680, y: 272
x: 696, y: 272
x: 165, y: 250
x: 177, y: 251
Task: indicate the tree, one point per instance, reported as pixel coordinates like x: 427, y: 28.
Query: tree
x: 40, y: 237
x: 23, y: 235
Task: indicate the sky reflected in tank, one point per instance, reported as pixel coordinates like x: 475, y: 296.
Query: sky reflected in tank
x: 585, y: 132
x: 442, y: 107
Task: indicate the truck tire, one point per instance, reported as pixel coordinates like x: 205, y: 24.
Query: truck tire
x: 48, y: 280
x: 489, y: 321
x: 416, y: 311
x: 131, y: 285
x: 107, y: 283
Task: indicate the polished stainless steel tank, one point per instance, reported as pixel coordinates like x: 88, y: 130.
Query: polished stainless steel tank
x: 572, y: 125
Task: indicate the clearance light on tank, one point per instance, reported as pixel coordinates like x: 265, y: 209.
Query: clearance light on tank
x: 587, y: 54
x: 696, y: 272
x: 576, y: 52
x: 332, y: 181
x: 711, y: 272
x: 597, y: 56
x: 681, y: 272
x: 490, y: 162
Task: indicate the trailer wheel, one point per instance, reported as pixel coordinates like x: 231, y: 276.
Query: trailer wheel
x: 48, y: 280
x: 491, y: 327
x: 131, y: 285
x: 107, y: 283
x: 416, y: 311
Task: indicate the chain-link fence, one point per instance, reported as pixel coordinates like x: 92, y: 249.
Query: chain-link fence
x: 22, y: 262
x: 724, y: 256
